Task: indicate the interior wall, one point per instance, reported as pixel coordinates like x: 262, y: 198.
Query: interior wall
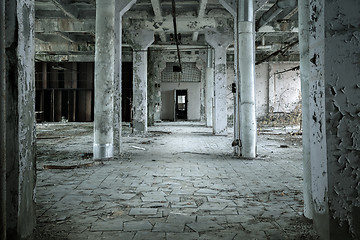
x: 167, y: 109
x: 275, y: 92
x: 284, y: 87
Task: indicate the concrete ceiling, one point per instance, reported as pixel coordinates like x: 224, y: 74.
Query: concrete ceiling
x: 65, y: 29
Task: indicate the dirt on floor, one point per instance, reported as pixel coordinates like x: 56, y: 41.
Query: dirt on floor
x: 179, y: 169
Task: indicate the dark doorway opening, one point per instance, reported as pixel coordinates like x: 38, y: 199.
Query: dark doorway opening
x: 181, y: 105
x: 127, y: 91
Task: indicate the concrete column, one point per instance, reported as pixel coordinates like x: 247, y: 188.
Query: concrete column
x: 220, y: 42
x: 202, y: 65
x: 334, y: 105
x: 121, y: 7
x: 231, y: 7
x: 157, y: 65
x: 246, y: 64
x: 104, y: 79
x: 209, y: 93
x: 304, y: 27
x: 20, y: 118
x: 2, y: 124
x: 141, y: 40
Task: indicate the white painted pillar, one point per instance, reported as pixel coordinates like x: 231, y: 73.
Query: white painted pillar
x: 231, y: 7
x: 141, y: 40
x: 121, y: 7
x: 304, y: 28
x: 104, y: 79
x: 220, y: 42
x: 246, y: 64
x: 209, y: 92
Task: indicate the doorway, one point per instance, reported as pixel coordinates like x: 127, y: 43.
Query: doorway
x: 181, y: 105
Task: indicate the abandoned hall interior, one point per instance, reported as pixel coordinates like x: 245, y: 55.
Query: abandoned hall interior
x: 180, y: 119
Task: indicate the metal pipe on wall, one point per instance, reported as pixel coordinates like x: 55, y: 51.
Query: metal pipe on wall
x: 2, y: 124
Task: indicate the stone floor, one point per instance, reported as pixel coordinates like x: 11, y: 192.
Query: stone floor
x: 177, y: 182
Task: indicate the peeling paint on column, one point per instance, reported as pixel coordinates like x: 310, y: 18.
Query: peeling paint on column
x: 156, y: 66
x: 220, y: 42
x: 335, y: 50
x: 104, y: 81
x: 140, y: 41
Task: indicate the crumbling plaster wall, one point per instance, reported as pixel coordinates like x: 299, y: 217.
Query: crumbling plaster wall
x: 20, y: 135
x: 335, y: 86
x: 276, y: 92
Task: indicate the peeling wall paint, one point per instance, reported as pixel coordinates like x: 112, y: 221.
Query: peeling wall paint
x: 335, y: 104
x: 275, y: 93
x: 342, y: 93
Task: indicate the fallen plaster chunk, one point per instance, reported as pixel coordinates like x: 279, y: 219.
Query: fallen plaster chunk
x: 140, y: 148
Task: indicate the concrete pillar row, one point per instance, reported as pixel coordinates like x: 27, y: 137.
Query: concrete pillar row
x: 246, y: 68
x: 220, y: 42
x: 140, y: 41
x: 209, y: 85
x: 121, y: 7
x: 104, y: 79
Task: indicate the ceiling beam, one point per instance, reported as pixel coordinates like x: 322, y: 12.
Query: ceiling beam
x: 70, y: 11
x: 158, y: 16
x: 201, y: 14
x: 66, y: 36
x: 64, y: 25
x: 185, y: 25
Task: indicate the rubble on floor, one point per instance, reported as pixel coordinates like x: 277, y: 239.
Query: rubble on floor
x: 176, y: 182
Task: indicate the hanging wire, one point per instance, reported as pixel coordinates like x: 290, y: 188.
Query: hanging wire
x: 175, y: 33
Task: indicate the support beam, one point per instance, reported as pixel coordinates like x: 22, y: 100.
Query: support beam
x: 334, y: 104
x: 2, y: 124
x: 184, y: 24
x: 220, y: 42
x: 20, y: 119
x: 304, y: 28
x: 66, y: 36
x: 121, y: 7
x: 209, y: 92
x: 275, y: 10
x: 246, y: 65
x: 65, y: 25
x: 231, y: 7
x: 141, y: 40
x: 70, y: 11
x: 158, y: 16
x: 104, y: 79
x: 201, y: 14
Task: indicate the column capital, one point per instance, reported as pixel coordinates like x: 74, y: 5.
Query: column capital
x: 230, y: 6
x: 141, y: 39
x: 219, y: 39
x: 123, y: 6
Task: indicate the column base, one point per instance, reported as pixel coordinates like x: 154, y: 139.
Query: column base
x: 139, y: 126
x: 103, y: 151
